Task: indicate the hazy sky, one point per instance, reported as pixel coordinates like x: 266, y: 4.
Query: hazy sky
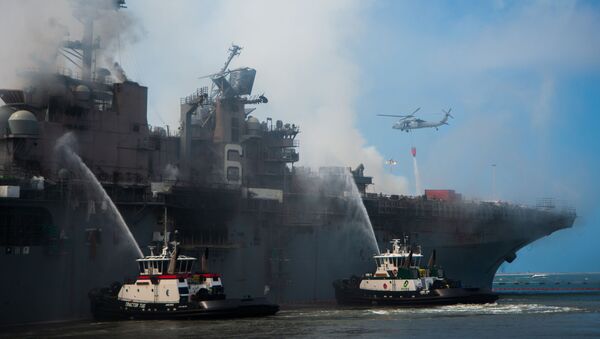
x: 522, y: 78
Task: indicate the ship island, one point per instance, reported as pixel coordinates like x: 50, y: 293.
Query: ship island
x: 231, y: 186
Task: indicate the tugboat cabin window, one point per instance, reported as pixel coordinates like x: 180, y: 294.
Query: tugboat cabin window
x: 152, y: 267
x: 184, y: 266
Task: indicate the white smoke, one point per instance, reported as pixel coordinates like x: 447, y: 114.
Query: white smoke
x: 302, y: 52
x: 32, y: 32
x: 36, y: 29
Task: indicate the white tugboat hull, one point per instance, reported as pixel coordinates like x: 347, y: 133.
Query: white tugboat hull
x: 107, y: 307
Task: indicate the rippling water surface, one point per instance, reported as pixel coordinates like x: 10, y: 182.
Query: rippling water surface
x: 554, y: 316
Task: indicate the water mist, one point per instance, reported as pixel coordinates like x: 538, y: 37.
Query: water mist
x: 418, y: 190
x: 333, y: 240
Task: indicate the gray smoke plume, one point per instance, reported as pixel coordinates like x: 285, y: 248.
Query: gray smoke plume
x: 119, y: 72
x: 305, y: 66
x: 39, y: 28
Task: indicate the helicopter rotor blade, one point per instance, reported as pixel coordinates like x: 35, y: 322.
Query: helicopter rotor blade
x: 395, y: 116
x: 415, y: 111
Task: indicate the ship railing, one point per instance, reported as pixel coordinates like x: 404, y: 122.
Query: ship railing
x: 200, y: 94
x: 390, y: 204
x: 555, y: 205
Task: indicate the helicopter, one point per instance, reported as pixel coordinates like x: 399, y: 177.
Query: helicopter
x: 410, y: 122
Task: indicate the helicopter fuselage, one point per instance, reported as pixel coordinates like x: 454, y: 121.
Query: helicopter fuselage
x: 408, y: 124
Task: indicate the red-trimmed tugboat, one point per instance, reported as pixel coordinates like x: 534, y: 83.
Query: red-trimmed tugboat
x: 400, y: 281
x: 166, y: 288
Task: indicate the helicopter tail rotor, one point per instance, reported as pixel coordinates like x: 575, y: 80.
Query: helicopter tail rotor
x: 448, y: 113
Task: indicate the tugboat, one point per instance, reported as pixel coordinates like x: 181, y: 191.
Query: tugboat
x: 400, y: 281
x: 166, y: 288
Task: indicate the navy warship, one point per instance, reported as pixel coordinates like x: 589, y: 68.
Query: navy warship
x: 231, y: 186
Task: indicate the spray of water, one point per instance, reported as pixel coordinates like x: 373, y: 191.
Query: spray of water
x: 64, y: 148
x: 418, y: 190
x: 363, y: 218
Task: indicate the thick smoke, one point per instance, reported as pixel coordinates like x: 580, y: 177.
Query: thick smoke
x: 32, y: 33
x: 36, y: 29
x: 301, y: 50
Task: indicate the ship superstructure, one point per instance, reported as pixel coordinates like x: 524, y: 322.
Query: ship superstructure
x: 232, y: 188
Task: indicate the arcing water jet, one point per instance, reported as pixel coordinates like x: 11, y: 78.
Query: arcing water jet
x: 361, y: 215
x: 64, y: 148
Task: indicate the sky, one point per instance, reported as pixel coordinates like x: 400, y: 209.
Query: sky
x: 524, y: 83
x: 522, y: 79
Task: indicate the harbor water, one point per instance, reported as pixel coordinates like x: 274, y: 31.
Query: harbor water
x: 512, y: 316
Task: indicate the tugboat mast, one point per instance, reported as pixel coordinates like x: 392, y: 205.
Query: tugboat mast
x: 165, y: 243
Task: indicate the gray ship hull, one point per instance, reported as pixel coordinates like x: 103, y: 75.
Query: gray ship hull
x: 291, y: 251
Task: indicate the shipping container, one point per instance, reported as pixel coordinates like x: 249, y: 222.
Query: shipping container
x: 444, y: 195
